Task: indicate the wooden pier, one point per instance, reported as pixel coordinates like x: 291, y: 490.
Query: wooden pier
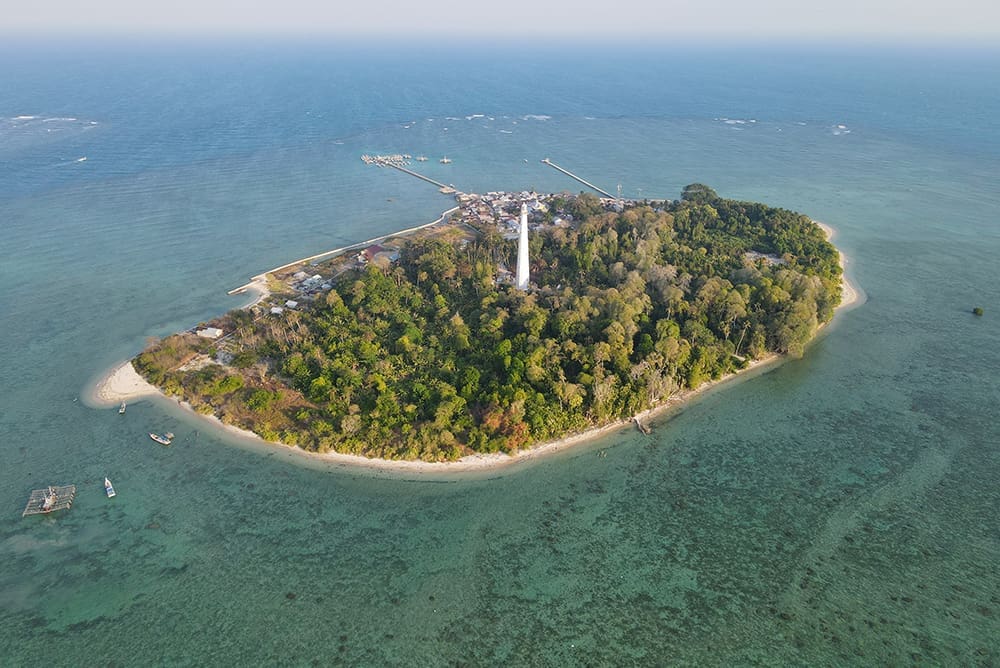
x: 446, y: 189
x: 574, y: 176
x: 399, y: 162
x: 50, y: 499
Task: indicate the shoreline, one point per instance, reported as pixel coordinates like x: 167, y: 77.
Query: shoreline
x: 123, y: 383
x: 850, y: 294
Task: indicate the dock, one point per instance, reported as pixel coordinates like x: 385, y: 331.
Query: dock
x: 574, y: 176
x: 445, y: 189
x: 400, y: 162
x: 50, y: 499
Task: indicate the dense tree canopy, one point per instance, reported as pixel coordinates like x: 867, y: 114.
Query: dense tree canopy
x: 434, y: 358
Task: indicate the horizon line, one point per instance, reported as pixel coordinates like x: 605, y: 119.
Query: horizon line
x: 445, y: 39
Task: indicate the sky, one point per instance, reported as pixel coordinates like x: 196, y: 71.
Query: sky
x: 615, y: 19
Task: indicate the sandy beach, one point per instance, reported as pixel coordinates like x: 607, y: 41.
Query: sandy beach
x: 850, y: 295
x: 123, y: 383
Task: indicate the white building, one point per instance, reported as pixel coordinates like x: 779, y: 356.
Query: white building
x: 209, y: 332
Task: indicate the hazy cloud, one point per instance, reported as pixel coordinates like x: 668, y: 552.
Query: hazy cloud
x: 665, y: 18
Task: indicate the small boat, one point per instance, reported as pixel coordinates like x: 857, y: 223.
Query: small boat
x: 121, y: 409
x: 421, y: 158
x: 162, y: 440
x: 445, y: 160
x: 108, y: 489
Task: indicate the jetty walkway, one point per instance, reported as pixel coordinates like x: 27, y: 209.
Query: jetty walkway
x: 446, y: 189
x: 397, y: 161
x: 574, y: 176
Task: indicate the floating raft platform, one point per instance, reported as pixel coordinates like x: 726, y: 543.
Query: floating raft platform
x: 50, y: 499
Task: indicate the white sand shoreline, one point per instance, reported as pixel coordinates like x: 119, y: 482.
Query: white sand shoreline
x: 123, y: 383
x: 851, y: 295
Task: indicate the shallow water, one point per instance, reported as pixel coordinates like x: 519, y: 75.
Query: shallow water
x: 839, y: 509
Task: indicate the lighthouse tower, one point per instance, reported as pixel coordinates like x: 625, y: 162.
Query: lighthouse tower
x: 522, y: 251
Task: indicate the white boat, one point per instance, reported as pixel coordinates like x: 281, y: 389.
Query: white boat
x: 108, y: 489
x: 421, y: 158
x: 445, y: 160
x: 121, y: 409
x: 162, y: 440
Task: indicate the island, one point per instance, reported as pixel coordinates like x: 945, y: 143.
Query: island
x: 430, y: 346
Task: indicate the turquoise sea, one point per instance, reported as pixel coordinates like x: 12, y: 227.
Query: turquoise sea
x: 840, y: 509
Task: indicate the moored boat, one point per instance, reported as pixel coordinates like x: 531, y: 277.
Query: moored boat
x: 108, y: 489
x: 121, y: 409
x: 162, y: 440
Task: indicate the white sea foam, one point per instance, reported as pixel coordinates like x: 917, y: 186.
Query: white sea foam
x: 474, y: 116
x: 24, y: 118
x: 507, y: 132
x: 536, y: 117
x: 452, y: 118
x: 59, y: 120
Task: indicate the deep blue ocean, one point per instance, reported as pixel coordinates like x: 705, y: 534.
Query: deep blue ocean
x: 840, y: 509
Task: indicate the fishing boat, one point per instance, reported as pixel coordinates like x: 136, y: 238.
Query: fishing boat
x: 108, y: 489
x: 162, y: 440
x: 121, y: 409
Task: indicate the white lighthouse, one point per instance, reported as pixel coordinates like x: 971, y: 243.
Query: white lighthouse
x: 522, y: 251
